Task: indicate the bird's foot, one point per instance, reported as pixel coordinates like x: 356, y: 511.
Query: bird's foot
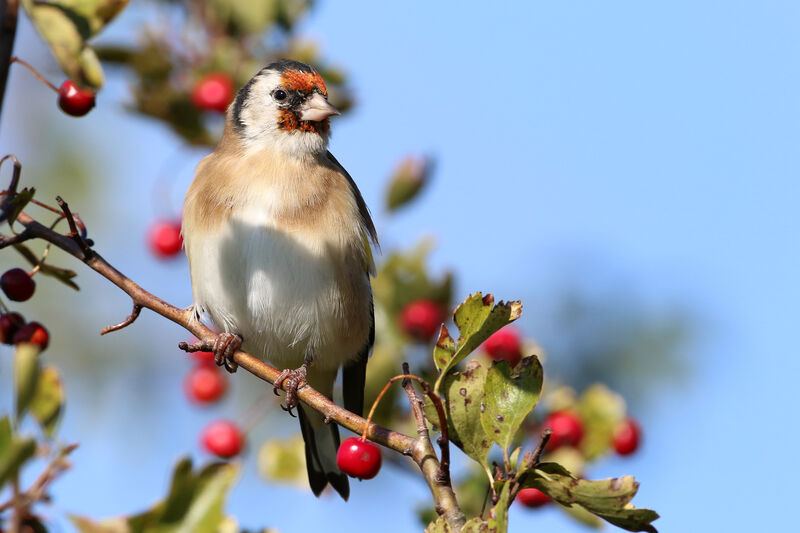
x: 223, y: 348
x: 291, y: 381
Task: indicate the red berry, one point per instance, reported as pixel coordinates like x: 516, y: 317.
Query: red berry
x: 17, y: 285
x: 205, y: 384
x: 33, y: 333
x: 359, y: 458
x: 533, y: 498
x: 203, y: 358
x: 213, y: 92
x: 164, y: 238
x: 9, y: 324
x: 504, y: 345
x: 73, y: 100
x: 223, y: 438
x: 567, y: 429
x: 626, y: 437
x: 421, y: 319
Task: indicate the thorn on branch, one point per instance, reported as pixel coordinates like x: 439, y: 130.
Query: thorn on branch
x: 127, y: 322
x: 74, y: 234
x: 537, y: 453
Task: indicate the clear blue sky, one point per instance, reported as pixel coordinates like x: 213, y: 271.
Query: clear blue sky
x: 657, y: 141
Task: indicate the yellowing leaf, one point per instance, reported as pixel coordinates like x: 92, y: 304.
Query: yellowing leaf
x: 48, y: 400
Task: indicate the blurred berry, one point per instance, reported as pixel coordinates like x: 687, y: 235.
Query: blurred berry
x: 205, y: 384
x: 33, y: 333
x: 504, y: 345
x: 421, y: 319
x: 223, y: 438
x: 17, y: 284
x: 567, y: 429
x: 9, y: 324
x: 213, y: 92
x: 626, y: 437
x: 164, y: 238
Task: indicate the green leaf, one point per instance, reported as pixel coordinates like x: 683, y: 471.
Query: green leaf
x: 608, y: 498
x: 475, y: 525
x: 408, y: 179
x: 439, y: 526
x: 283, y: 460
x: 195, y: 501
x: 5, y: 433
x: 509, y: 395
x: 26, y: 374
x: 477, y: 318
x: 48, y: 401
x: 498, y: 515
x: 111, y: 525
x: 17, y: 203
x: 16, y: 452
x: 64, y: 275
x: 66, y: 25
x: 462, y: 399
x: 601, y: 410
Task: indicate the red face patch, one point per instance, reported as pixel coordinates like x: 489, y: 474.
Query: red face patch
x: 289, y: 121
x: 294, y: 80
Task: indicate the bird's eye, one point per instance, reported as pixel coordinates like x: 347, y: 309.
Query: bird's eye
x: 279, y: 95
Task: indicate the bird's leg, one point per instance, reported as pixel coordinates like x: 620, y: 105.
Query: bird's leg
x: 223, y: 348
x: 292, y: 381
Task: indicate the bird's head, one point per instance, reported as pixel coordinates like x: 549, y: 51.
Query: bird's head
x: 284, y: 106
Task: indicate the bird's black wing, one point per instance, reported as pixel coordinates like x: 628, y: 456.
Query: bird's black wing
x: 354, y: 373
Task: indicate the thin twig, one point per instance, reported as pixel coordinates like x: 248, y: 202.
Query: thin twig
x: 127, y: 322
x: 74, y: 234
x: 33, y: 71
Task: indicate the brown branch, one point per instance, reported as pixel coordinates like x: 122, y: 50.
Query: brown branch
x: 38, y: 488
x: 8, y: 32
x: 438, y: 473
x: 33, y: 71
x: 127, y: 322
x: 420, y: 450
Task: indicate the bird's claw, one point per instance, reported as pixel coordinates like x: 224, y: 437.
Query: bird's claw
x: 291, y: 381
x: 225, y: 345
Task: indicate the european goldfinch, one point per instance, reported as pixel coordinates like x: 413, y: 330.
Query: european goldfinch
x: 278, y: 240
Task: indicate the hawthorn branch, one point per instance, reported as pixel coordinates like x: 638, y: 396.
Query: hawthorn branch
x: 419, y: 449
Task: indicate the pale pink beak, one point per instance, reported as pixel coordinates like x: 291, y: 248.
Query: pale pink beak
x: 317, y: 108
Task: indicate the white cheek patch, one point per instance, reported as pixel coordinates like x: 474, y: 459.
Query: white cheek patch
x: 259, y: 122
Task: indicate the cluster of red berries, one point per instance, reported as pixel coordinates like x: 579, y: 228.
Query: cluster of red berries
x: 205, y: 384
x: 18, y: 286
x: 567, y: 430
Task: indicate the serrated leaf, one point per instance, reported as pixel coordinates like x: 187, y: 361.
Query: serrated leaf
x: 439, y: 526
x: 475, y: 525
x: 17, y: 451
x: 498, y: 515
x: 90, y: 16
x: 608, y: 498
x: 476, y: 318
x: 48, y: 401
x: 508, y: 396
x: 64, y: 275
x: 462, y: 398
x: 26, y: 375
